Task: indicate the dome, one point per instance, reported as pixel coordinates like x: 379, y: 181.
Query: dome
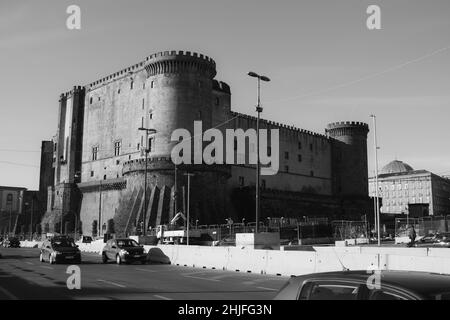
x: 396, y: 166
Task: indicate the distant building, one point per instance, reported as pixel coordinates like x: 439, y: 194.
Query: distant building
x: 11, y: 208
x: 416, y: 193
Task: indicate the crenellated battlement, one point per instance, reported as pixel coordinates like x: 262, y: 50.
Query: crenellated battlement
x: 346, y: 124
x: 221, y: 86
x: 282, y: 126
x: 347, y: 128
x: 154, y: 64
x: 69, y: 94
x: 180, y: 62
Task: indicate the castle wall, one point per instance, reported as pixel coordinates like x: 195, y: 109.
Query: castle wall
x: 305, y: 168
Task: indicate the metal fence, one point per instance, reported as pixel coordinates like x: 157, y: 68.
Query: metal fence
x: 423, y: 226
x: 343, y: 229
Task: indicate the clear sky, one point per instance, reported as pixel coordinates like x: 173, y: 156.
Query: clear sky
x: 325, y: 66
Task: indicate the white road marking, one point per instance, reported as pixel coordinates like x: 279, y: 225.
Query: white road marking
x: 46, y: 267
x: 161, y: 297
x: 264, y: 288
x: 200, y: 278
x: 112, y: 283
x: 146, y: 270
x: 27, y: 262
x: 8, y: 294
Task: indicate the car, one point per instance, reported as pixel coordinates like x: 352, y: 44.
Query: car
x: 11, y: 242
x: 442, y: 240
x: 429, y: 238
x: 123, y: 251
x: 357, y: 285
x: 60, y: 249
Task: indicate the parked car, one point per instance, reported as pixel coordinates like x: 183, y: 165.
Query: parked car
x: 354, y: 285
x: 60, y: 249
x: 429, y: 238
x: 442, y: 240
x: 123, y: 251
x: 11, y: 242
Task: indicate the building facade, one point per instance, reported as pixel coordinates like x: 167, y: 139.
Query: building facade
x: 99, y: 165
x: 416, y: 193
x: 11, y: 208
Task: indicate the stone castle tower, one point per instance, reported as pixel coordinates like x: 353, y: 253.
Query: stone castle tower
x: 349, y: 160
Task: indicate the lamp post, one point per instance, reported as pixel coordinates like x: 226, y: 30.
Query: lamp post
x: 189, y: 175
x: 147, y: 150
x: 376, y: 178
x: 259, y: 109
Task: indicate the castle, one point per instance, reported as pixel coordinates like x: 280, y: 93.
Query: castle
x: 99, y: 164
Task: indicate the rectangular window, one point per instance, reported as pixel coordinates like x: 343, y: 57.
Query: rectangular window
x: 151, y: 144
x: 311, y: 146
x: 263, y: 184
x: 241, y: 181
x: 286, y: 168
x: 92, y: 173
x: 299, y: 158
x: 286, y: 155
x: 117, y: 147
x: 299, y: 145
x: 94, y: 153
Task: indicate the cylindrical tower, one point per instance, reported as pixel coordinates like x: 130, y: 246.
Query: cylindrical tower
x: 179, y: 90
x: 349, y: 158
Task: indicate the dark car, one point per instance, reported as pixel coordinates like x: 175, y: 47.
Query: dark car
x: 356, y: 285
x: 123, y: 251
x: 60, y: 249
x: 12, y: 242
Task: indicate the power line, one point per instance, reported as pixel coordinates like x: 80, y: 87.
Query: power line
x: 19, y: 164
x: 367, y: 77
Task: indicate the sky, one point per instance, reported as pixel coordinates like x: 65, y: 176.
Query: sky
x: 325, y: 65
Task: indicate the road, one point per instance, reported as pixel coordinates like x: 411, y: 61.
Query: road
x: 22, y: 276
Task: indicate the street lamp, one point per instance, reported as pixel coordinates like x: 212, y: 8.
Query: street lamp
x: 377, y: 208
x: 147, y: 150
x: 259, y: 109
x: 189, y: 175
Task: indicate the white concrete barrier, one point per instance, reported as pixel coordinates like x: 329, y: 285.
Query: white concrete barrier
x: 30, y: 244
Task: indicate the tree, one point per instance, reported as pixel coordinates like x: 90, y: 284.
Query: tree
x: 110, y: 229
x: 94, y: 228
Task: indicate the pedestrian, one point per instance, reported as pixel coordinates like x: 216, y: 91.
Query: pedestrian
x: 412, y: 236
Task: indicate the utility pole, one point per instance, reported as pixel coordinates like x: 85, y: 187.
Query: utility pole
x: 31, y: 221
x: 189, y: 175
x: 147, y: 150
x: 100, y: 209
x: 175, y: 192
x: 376, y: 178
x: 259, y: 109
x: 10, y: 214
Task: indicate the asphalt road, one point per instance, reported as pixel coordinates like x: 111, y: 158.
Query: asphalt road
x: 22, y: 276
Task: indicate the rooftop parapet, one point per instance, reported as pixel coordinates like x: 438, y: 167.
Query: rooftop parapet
x: 180, y: 62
